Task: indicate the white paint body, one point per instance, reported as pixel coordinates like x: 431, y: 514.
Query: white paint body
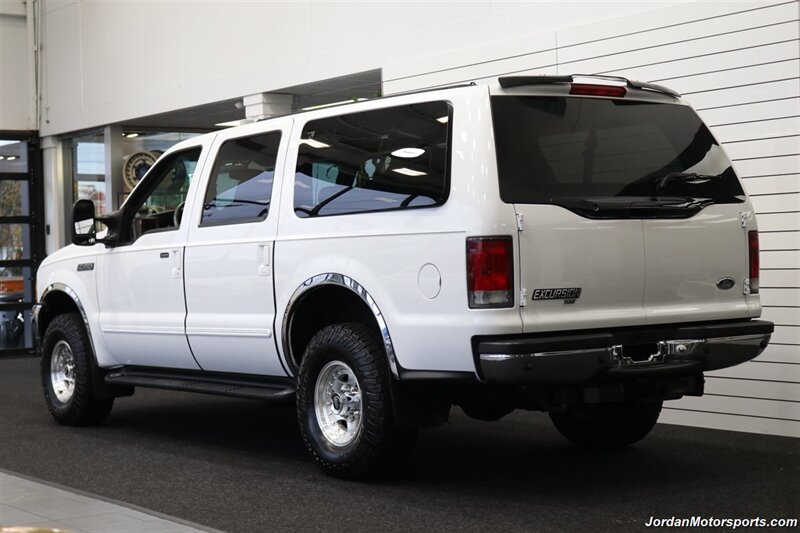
x: 225, y: 311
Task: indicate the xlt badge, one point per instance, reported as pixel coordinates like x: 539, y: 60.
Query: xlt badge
x: 569, y: 295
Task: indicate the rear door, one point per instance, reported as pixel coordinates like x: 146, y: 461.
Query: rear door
x: 229, y: 283
x: 606, y: 240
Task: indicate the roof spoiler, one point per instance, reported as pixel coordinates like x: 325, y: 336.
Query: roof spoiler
x: 521, y: 81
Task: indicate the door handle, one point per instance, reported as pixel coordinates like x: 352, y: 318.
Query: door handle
x: 264, y: 253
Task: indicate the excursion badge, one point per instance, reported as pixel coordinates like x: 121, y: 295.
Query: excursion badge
x: 569, y: 295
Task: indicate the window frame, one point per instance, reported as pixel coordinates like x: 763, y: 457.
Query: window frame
x: 211, y: 176
x: 447, y: 170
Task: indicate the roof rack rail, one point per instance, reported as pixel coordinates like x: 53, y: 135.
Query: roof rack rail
x: 520, y: 81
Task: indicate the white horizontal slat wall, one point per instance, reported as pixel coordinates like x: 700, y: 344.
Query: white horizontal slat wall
x: 741, y: 70
x: 738, y: 64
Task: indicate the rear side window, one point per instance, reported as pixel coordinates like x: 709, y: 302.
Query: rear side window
x: 240, y: 187
x: 556, y: 149
x: 387, y: 159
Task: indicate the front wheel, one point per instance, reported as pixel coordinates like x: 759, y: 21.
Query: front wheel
x: 66, y: 368
x: 612, y: 425
x: 344, y: 406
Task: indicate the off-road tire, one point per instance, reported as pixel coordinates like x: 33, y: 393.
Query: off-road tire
x: 83, y: 408
x: 379, y: 446
x: 607, y: 426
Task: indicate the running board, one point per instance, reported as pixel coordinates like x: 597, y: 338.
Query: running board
x: 236, y: 385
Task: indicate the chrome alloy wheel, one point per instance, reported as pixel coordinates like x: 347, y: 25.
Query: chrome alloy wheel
x: 337, y: 404
x: 62, y: 371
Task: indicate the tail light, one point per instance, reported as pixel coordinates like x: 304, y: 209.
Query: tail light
x: 589, y: 89
x: 490, y: 272
x: 752, y: 246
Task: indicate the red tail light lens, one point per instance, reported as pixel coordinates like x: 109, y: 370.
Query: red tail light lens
x: 752, y: 245
x: 588, y: 89
x: 490, y: 272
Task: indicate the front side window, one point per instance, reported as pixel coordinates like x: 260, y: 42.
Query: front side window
x: 240, y: 187
x: 160, y: 205
x: 386, y: 159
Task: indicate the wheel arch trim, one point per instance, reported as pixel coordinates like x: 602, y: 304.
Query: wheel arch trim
x: 66, y: 289
x: 340, y: 280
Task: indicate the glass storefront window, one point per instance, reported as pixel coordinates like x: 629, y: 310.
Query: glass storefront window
x: 15, y: 329
x: 14, y: 242
x: 13, y: 288
x: 13, y: 156
x: 88, y: 170
x: 20, y: 239
x: 14, y: 198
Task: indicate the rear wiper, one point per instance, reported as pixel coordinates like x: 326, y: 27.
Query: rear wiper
x: 688, y: 177
x: 633, y: 207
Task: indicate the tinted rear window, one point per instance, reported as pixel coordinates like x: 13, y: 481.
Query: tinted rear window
x: 550, y: 148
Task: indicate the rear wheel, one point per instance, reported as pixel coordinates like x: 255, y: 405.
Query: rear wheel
x: 66, y: 369
x: 344, y: 406
x: 611, y: 425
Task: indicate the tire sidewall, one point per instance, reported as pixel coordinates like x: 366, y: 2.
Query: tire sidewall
x: 351, y: 345
x: 79, y: 408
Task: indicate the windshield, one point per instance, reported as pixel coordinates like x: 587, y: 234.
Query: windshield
x: 552, y: 149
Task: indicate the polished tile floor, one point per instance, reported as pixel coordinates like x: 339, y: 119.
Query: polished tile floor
x: 24, y: 502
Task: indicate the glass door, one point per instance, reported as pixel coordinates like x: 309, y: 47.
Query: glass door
x: 21, y: 237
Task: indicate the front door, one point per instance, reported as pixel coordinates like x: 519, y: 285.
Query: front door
x: 229, y: 282
x: 140, y: 284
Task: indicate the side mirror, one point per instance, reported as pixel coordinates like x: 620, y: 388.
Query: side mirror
x: 84, y: 224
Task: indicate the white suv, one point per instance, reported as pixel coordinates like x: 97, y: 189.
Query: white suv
x: 576, y: 244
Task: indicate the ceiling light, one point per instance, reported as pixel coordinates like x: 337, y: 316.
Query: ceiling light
x: 232, y: 123
x: 443, y: 120
x: 131, y: 135
x: 409, y: 172
x: 408, y: 153
x: 2, y: 157
x: 314, y: 144
x: 11, y: 157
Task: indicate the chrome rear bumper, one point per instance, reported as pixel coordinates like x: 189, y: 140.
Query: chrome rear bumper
x: 620, y: 354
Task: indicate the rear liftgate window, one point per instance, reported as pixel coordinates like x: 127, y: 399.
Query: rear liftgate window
x: 387, y: 159
x: 608, y: 158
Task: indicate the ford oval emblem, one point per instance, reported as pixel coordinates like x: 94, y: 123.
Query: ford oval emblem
x: 726, y: 283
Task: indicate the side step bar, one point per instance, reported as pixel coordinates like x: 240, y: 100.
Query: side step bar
x: 236, y: 385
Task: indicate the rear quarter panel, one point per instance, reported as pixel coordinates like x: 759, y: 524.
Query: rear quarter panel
x: 385, y: 251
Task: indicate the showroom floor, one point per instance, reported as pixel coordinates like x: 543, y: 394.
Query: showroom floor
x: 239, y: 465
x: 28, y: 503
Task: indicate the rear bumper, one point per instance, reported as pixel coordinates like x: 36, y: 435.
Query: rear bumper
x: 652, y: 352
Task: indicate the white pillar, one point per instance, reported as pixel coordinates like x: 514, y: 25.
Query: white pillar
x: 263, y: 105
x: 115, y: 182
x: 57, y: 195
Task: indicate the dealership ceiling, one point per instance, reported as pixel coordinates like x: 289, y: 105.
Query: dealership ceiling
x: 206, y: 117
